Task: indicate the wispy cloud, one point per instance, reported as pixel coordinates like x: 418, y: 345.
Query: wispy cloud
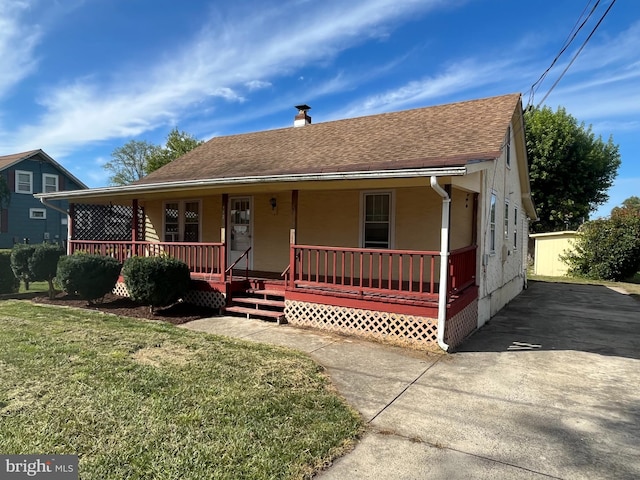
x: 464, y: 75
x: 226, y: 60
x: 17, y: 44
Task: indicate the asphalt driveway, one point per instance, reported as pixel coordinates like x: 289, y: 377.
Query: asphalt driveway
x: 550, y: 388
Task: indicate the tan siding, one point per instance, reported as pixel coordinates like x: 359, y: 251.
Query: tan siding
x: 418, y: 222
x: 153, y: 212
x: 271, y: 232
x: 329, y: 218
x: 211, y: 218
x: 461, y: 219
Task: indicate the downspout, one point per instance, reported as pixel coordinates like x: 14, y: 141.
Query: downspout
x: 444, y: 261
x: 64, y: 212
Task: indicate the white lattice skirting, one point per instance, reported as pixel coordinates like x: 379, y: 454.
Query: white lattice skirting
x: 393, y: 327
x: 212, y: 299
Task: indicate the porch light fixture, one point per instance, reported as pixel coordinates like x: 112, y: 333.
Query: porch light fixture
x: 274, y: 203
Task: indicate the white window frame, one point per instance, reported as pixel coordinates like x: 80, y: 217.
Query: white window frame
x: 515, y: 228
x: 34, y: 211
x: 493, y: 202
x: 392, y: 216
x: 506, y: 219
x: 181, y: 218
x: 17, y: 182
x: 45, y: 176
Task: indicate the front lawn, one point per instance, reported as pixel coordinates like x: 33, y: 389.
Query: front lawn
x: 145, y: 400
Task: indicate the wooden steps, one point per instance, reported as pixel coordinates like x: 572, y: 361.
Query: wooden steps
x: 268, y: 304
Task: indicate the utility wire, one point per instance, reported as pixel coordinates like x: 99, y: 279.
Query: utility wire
x: 577, y: 53
x: 570, y: 38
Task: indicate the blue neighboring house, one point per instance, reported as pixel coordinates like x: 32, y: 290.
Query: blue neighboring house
x: 25, y: 217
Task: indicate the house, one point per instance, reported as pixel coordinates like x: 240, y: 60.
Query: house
x: 548, y: 249
x: 408, y: 226
x: 25, y: 218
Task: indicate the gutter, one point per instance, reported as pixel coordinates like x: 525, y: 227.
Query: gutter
x: 444, y: 261
x: 255, y: 180
x: 64, y: 212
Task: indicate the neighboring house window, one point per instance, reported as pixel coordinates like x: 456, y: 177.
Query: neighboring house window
x: 182, y: 221
x: 492, y: 224
x: 24, y: 182
x: 37, y: 213
x: 508, y: 147
x: 515, y: 228
x: 49, y: 183
x: 506, y: 219
x: 377, y: 219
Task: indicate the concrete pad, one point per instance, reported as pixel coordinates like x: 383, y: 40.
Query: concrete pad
x: 387, y: 457
x: 549, y: 388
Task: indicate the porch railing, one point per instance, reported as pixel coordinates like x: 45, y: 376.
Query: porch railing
x: 462, y: 269
x: 201, y: 258
x: 405, y: 273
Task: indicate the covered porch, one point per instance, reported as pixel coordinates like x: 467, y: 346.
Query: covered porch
x: 363, y: 275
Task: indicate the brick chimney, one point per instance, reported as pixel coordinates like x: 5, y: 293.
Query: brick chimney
x: 302, y: 118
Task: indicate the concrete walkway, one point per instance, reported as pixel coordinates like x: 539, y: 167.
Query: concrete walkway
x: 550, y: 388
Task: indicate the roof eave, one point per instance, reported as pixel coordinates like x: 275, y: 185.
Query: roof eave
x: 129, y: 190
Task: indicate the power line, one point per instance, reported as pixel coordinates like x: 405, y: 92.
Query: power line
x: 569, y: 40
x: 577, y: 53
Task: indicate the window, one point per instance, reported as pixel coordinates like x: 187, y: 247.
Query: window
x: 377, y: 220
x: 508, y: 147
x: 24, y: 182
x: 37, y: 213
x: 191, y: 222
x: 506, y: 219
x: 492, y: 224
x: 182, y: 221
x: 515, y: 228
x: 49, y: 183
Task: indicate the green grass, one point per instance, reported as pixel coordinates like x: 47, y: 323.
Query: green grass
x: 35, y: 287
x: 147, y: 400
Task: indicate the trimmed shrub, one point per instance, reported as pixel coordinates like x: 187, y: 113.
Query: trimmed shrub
x: 20, y: 255
x: 44, y: 262
x: 156, y: 281
x: 8, y: 281
x: 90, y: 277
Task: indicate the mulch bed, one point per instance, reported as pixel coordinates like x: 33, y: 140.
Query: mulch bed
x: 177, y: 314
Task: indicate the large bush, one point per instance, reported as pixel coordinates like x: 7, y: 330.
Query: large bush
x: 8, y: 281
x: 156, y: 281
x: 20, y: 255
x: 607, y: 249
x: 91, y: 277
x: 43, y: 264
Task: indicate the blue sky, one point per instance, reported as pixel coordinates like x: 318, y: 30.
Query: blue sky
x: 80, y: 78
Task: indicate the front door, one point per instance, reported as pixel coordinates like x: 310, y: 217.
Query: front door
x: 240, y: 229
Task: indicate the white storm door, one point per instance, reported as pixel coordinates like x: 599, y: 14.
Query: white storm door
x: 240, y: 229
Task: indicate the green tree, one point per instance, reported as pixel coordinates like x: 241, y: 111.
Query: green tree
x: 129, y: 162
x: 178, y: 143
x: 570, y: 168
x: 631, y: 206
x: 20, y: 255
